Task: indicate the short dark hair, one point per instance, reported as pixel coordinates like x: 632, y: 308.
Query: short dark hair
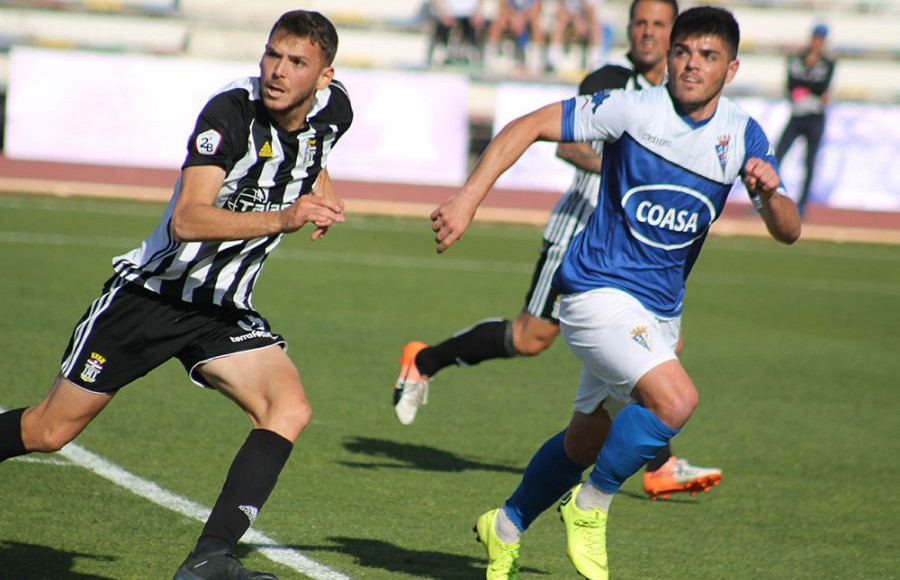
x: 710, y: 20
x: 634, y: 3
x: 312, y: 25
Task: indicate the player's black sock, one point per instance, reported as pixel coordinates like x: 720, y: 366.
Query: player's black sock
x: 487, y: 339
x: 250, y: 480
x: 662, y: 456
x: 11, y: 444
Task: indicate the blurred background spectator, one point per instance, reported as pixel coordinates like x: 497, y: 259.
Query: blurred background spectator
x: 578, y: 23
x: 457, y: 33
x: 519, y: 21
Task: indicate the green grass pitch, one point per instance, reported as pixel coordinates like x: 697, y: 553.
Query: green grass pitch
x: 795, y: 350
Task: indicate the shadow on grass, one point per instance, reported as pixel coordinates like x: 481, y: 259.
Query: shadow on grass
x: 370, y: 553
x: 33, y: 562
x: 675, y: 498
x: 414, y: 456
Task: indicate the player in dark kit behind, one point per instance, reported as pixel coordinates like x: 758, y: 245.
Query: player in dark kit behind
x: 255, y: 170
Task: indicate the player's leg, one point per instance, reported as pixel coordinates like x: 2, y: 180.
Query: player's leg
x: 107, y: 349
x: 266, y: 385
x: 532, y: 332
x: 790, y: 134
x: 52, y: 423
x: 666, y: 473
x: 552, y: 471
x: 814, y: 128
x: 617, y: 341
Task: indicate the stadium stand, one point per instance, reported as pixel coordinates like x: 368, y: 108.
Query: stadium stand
x: 392, y: 34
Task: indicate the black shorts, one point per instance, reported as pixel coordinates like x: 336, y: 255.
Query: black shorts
x: 128, y: 331
x: 542, y: 299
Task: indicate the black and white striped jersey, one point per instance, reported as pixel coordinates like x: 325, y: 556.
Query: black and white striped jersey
x: 573, y: 209
x: 267, y: 168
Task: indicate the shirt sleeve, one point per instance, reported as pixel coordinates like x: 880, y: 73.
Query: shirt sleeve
x: 341, y: 110
x: 597, y: 117
x: 220, y: 135
x: 757, y: 145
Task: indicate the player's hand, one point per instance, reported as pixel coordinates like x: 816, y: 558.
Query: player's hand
x: 323, y: 189
x: 450, y: 220
x: 318, y: 211
x: 760, y: 178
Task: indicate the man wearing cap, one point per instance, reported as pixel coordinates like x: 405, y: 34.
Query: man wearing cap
x: 809, y: 76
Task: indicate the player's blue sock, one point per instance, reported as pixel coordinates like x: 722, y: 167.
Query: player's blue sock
x: 549, y: 475
x: 636, y: 434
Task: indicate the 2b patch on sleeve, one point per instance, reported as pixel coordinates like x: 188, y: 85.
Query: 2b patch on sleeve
x: 207, y: 142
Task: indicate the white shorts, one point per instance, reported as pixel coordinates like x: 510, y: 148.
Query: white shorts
x: 617, y: 341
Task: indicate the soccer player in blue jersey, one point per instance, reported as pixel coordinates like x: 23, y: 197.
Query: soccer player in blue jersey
x: 670, y: 158
x: 537, y: 325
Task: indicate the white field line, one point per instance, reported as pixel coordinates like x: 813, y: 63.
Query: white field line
x: 151, y: 491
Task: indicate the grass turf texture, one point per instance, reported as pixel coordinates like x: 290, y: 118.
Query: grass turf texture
x: 794, y: 350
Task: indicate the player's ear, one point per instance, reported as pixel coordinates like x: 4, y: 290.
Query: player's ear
x: 732, y: 69
x: 325, y: 77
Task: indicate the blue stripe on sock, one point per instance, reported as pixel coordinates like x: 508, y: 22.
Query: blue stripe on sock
x: 634, y: 438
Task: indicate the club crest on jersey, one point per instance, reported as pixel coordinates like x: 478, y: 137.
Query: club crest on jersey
x: 722, y: 150
x: 641, y: 335
x: 207, y: 142
x: 310, y: 155
x: 92, y: 367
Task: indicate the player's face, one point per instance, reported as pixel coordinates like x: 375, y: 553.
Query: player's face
x: 699, y: 67
x: 648, y: 33
x: 292, y: 69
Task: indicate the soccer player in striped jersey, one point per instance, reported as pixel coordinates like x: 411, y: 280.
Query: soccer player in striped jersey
x: 255, y: 170
x: 537, y: 326
x: 671, y: 156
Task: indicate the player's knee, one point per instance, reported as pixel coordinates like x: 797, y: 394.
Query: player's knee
x: 45, y: 438
x: 295, y: 418
x: 676, y: 409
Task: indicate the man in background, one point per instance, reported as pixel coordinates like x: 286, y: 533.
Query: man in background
x: 808, y: 80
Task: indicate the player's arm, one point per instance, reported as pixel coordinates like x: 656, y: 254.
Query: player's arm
x: 778, y: 211
x: 581, y: 155
x: 324, y: 189
x: 452, y: 217
x: 195, y: 218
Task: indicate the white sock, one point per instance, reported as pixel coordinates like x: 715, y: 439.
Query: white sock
x: 590, y: 497
x: 506, y: 530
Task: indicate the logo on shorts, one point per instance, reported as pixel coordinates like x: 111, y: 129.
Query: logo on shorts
x: 92, y: 367
x: 254, y: 326
x: 641, y: 335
